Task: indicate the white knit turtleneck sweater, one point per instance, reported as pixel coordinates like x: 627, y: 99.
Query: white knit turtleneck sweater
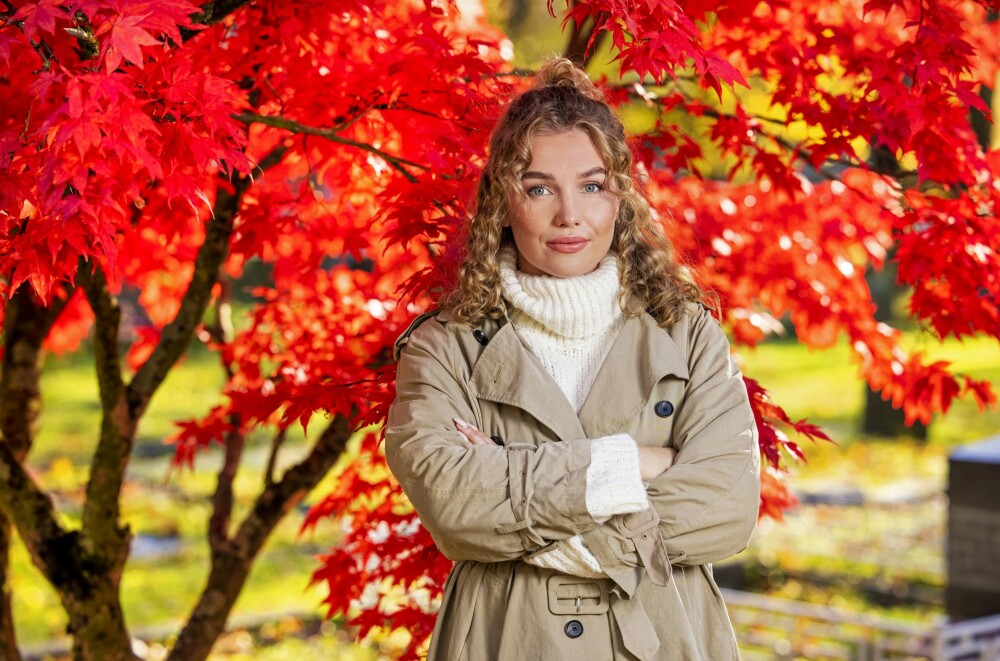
x: 570, y: 324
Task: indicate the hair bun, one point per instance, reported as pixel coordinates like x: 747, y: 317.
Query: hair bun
x: 561, y: 72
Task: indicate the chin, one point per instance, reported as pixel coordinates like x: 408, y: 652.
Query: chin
x: 572, y: 269
x: 557, y: 265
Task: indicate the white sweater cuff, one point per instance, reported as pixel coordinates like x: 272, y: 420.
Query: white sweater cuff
x: 614, y: 484
x: 569, y: 556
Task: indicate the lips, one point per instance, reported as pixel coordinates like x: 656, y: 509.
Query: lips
x: 568, y: 244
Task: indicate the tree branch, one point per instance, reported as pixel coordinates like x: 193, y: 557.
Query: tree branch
x: 211, y: 13
x: 101, y: 511
x: 176, y: 335
x: 222, y: 499
x: 232, y: 564
x: 271, y: 159
x: 221, y: 332
x: 8, y: 634
x: 53, y: 549
x: 576, y: 48
x: 273, y: 502
x: 395, y: 162
x: 26, y: 324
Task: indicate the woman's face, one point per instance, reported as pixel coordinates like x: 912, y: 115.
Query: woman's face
x: 564, y: 223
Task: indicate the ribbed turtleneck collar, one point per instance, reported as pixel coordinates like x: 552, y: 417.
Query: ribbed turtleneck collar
x: 574, y: 308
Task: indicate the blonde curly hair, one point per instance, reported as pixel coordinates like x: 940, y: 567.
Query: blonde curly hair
x: 564, y: 99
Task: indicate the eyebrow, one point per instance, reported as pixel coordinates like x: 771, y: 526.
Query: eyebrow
x: 544, y: 176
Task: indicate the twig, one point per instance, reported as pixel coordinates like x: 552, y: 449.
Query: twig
x: 43, y: 49
x: 272, y: 460
x: 293, y: 126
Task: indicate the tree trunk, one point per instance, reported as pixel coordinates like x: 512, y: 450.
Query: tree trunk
x: 983, y: 127
x: 879, y: 417
x: 97, y: 622
x: 25, y: 325
x: 580, y: 36
x: 8, y: 637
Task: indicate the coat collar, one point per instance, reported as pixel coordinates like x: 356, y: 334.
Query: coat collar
x: 642, y: 354
x: 508, y: 373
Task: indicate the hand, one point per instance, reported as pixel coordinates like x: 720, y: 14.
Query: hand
x: 653, y: 461
x: 471, y: 433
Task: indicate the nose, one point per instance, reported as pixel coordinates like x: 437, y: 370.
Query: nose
x: 568, y: 213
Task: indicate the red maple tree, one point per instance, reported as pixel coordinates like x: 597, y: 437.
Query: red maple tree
x: 158, y: 146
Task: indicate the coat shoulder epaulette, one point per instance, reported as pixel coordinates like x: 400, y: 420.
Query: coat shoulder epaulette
x: 402, y: 340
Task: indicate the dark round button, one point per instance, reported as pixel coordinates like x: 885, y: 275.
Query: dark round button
x: 480, y: 337
x: 574, y: 629
x: 664, y: 409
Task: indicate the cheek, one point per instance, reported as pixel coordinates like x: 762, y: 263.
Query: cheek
x: 607, y: 216
x: 524, y: 223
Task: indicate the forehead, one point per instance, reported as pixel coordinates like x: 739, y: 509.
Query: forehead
x: 565, y: 152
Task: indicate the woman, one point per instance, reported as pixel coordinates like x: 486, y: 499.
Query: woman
x: 570, y: 427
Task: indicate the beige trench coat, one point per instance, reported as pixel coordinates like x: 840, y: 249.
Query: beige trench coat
x: 489, y: 507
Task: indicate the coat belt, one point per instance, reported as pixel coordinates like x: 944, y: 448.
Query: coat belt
x: 637, y: 631
x: 642, y: 528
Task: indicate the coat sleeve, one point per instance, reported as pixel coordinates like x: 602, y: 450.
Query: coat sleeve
x: 704, y: 507
x: 708, y: 500
x: 483, y: 503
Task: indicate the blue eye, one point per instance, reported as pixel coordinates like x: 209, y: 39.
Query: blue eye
x: 536, y: 191
x: 592, y: 188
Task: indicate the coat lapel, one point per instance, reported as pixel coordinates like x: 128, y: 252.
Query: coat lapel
x: 643, y: 353
x: 507, y: 373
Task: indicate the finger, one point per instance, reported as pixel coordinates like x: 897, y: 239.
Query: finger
x: 478, y: 437
x: 471, y: 440
x: 472, y: 433
x: 470, y: 436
